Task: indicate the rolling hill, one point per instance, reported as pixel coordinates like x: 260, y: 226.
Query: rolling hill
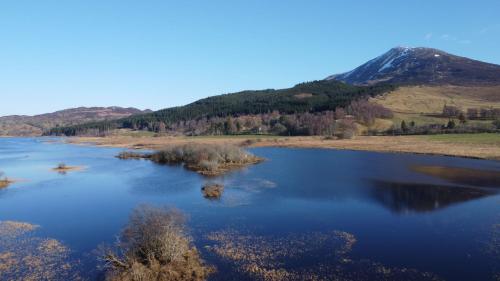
x: 22, y: 125
x: 313, y: 96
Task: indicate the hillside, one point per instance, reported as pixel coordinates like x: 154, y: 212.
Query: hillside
x: 422, y: 66
x: 428, y: 79
x: 21, y: 125
x: 316, y: 96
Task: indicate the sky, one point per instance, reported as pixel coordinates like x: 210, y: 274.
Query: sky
x: 157, y: 54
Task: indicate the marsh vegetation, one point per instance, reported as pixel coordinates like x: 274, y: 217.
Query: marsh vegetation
x: 212, y: 190
x: 206, y: 159
x: 63, y: 168
x: 295, y: 257
x: 4, y: 181
x: 26, y: 256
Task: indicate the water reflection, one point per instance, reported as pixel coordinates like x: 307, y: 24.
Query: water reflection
x: 404, y: 197
x: 467, y: 176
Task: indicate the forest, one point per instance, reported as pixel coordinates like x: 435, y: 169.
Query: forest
x: 214, y: 115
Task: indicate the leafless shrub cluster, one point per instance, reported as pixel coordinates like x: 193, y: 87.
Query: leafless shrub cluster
x: 131, y: 155
x: 204, y: 157
x: 212, y: 190
x: 366, y: 112
x: 155, y: 245
x: 4, y: 181
x: 345, y: 129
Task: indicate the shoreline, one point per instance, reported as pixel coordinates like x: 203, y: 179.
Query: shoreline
x: 424, y: 145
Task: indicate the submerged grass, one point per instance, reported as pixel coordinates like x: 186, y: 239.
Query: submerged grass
x: 26, y: 257
x: 306, y: 256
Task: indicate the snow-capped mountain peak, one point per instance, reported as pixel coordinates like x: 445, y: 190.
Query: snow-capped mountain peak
x: 419, y: 65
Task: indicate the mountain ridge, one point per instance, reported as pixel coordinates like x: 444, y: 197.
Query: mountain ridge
x: 421, y: 65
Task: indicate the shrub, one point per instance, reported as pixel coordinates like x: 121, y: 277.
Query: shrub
x: 61, y: 166
x: 345, y: 129
x: 154, y: 245
x: 131, y: 155
x: 212, y: 190
x: 496, y: 123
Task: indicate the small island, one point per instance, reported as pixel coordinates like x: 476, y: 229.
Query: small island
x: 206, y: 159
x: 63, y: 168
x: 4, y: 181
x: 212, y: 190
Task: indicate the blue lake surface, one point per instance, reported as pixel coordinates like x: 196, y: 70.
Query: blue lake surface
x: 400, y: 218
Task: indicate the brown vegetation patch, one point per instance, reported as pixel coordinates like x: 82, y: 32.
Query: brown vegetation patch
x: 155, y: 246
x: 457, y: 175
x: 15, y: 228
x: 5, y: 183
x: 206, y: 159
x: 132, y: 155
x: 24, y: 256
x: 400, y: 144
x: 212, y: 190
x: 303, y: 95
x: 308, y: 256
x: 431, y: 99
x: 63, y: 168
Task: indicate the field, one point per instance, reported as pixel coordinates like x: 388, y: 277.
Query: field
x: 483, y: 146
x: 430, y: 100
x: 473, y: 139
x: 420, y: 103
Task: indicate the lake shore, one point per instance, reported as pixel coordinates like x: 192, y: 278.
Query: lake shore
x: 480, y: 146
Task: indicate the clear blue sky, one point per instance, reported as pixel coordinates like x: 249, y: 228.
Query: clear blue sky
x: 157, y: 54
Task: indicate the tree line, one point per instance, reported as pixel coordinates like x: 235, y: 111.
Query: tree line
x: 299, y: 109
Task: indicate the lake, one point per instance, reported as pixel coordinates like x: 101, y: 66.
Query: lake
x: 303, y: 212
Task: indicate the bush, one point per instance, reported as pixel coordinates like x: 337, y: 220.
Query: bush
x: 61, y: 166
x: 155, y: 245
x: 131, y: 155
x: 496, y: 123
x: 212, y: 190
x: 345, y: 129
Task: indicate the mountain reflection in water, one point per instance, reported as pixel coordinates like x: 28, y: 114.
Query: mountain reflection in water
x: 467, y: 176
x: 404, y: 197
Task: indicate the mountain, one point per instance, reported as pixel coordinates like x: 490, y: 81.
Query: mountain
x: 22, y: 125
x: 315, y: 96
x: 422, y: 66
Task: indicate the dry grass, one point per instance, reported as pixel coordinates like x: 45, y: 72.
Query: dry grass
x: 430, y: 100
x: 483, y: 148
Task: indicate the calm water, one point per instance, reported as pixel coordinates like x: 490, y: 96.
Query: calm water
x: 400, y: 218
